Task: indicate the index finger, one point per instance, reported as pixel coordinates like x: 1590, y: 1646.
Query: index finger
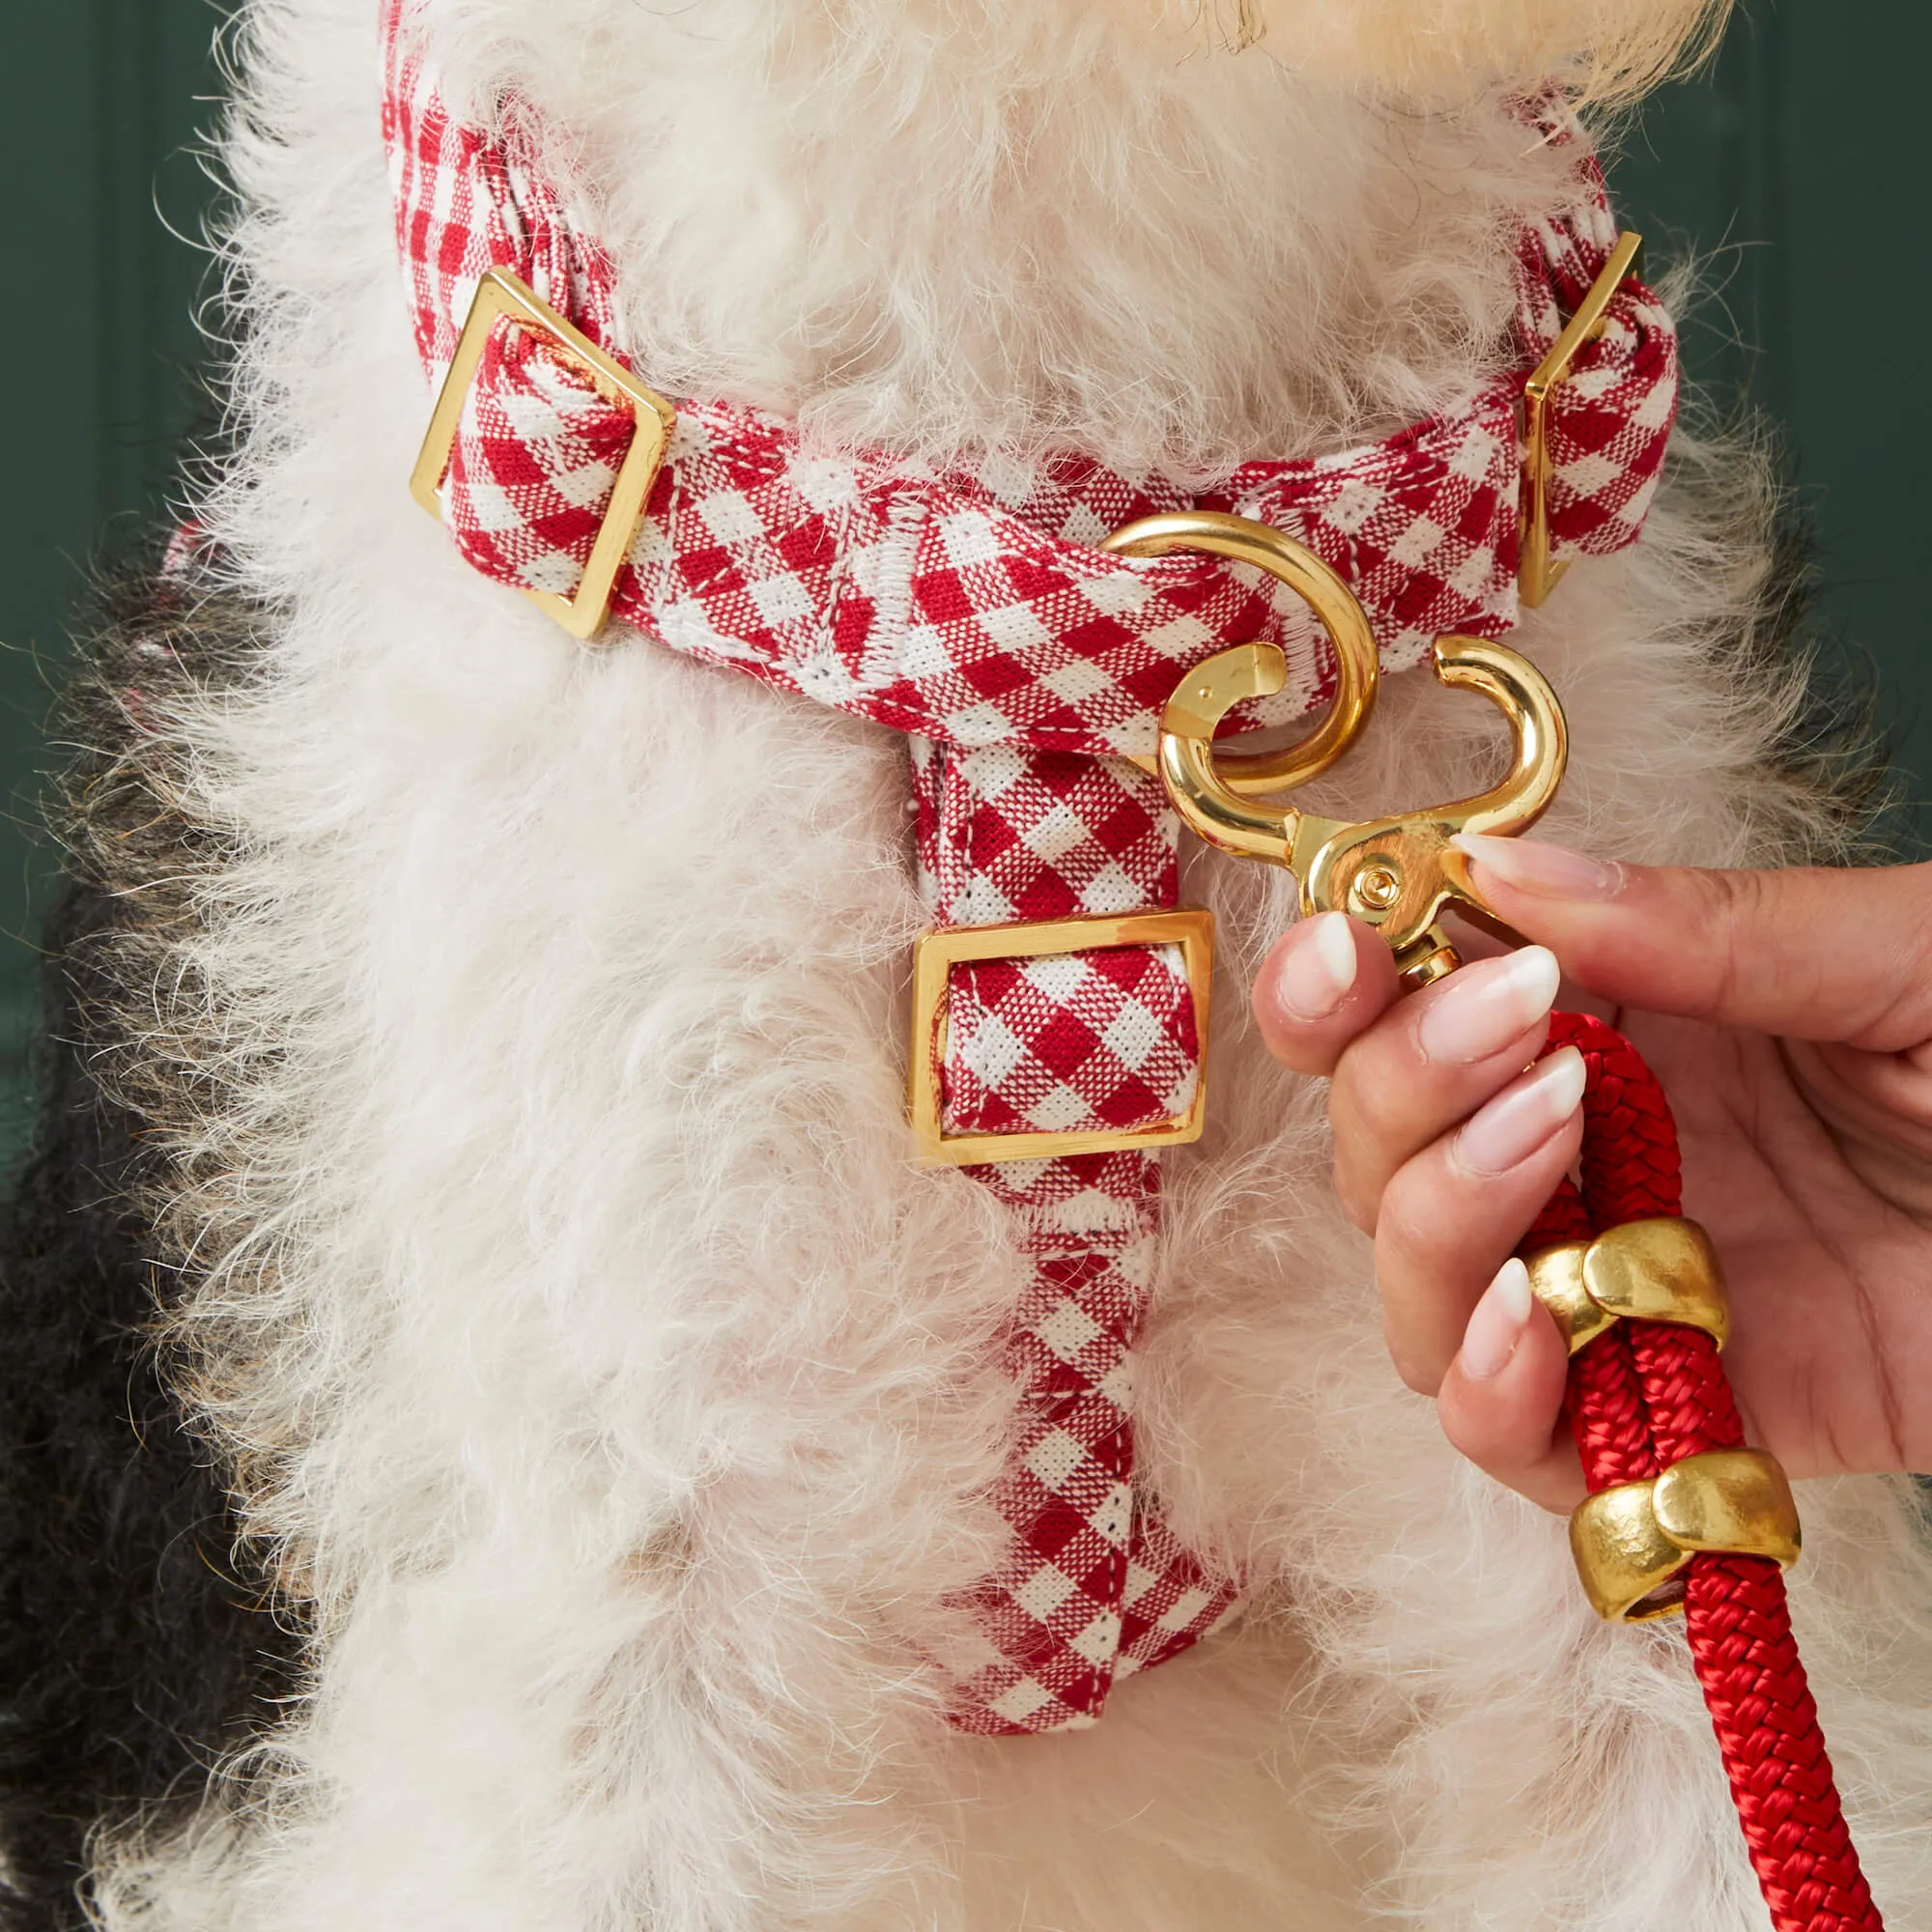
x: 1810, y: 952
x: 1325, y: 979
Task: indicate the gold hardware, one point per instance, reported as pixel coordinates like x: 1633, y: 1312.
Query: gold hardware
x: 1631, y: 1542
x: 938, y: 952
x: 1661, y: 1270
x: 1537, y: 572
x: 1556, y: 1280
x: 1400, y: 874
x: 1736, y: 1501
x: 502, y: 298
x: 1357, y: 665
x: 1623, y: 1556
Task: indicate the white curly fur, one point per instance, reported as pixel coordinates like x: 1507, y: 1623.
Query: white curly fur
x: 617, y: 1396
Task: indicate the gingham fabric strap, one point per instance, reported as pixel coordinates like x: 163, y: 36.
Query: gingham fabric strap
x: 1094, y: 1586
x: 973, y: 613
x: 975, y: 608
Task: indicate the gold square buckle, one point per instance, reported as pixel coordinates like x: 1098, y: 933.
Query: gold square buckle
x: 933, y: 963
x: 502, y: 298
x: 1537, y: 572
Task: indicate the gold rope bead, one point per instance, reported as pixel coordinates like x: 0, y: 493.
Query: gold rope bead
x: 1657, y: 1271
x: 1631, y: 1542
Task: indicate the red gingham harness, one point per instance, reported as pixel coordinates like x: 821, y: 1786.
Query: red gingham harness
x: 973, y: 611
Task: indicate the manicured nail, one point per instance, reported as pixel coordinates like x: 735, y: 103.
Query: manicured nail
x: 1551, y: 872
x: 1496, y: 1324
x: 1480, y: 1009
x: 1317, y: 969
x: 1523, y: 1117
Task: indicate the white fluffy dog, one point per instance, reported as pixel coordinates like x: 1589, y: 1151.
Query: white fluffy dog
x: 616, y: 1396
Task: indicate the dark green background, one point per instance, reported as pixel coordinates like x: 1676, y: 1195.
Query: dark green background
x: 1791, y: 161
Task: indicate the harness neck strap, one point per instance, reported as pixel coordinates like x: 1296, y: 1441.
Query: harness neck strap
x: 974, y: 607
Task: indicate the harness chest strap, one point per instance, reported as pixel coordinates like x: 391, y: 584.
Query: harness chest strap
x: 1028, y: 668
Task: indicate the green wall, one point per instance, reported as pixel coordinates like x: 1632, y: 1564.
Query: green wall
x: 1784, y: 158
x: 1801, y: 179
x: 100, y: 342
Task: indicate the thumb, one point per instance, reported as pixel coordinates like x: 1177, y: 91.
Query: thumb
x: 1807, y: 954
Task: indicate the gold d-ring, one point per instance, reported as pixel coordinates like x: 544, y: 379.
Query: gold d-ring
x: 1357, y: 667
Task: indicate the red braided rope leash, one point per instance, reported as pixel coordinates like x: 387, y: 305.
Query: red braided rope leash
x: 1643, y: 1397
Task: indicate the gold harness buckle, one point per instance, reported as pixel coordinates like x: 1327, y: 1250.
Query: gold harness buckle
x: 938, y: 952
x: 1537, y: 572
x: 502, y: 298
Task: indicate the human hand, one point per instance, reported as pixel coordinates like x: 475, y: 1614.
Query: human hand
x: 1789, y: 1017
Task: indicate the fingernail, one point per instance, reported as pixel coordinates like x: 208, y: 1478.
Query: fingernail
x: 1523, y: 1117
x: 1317, y: 969
x: 1551, y: 871
x: 1496, y: 1324
x: 1480, y: 1009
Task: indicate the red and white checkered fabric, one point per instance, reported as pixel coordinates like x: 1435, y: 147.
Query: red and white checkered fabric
x: 973, y: 611
x: 1094, y: 1586
x: 975, y: 607
x: 1057, y: 1044
x: 1610, y: 429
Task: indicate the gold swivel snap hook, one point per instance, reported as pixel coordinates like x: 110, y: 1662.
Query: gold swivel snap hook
x: 1399, y: 874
